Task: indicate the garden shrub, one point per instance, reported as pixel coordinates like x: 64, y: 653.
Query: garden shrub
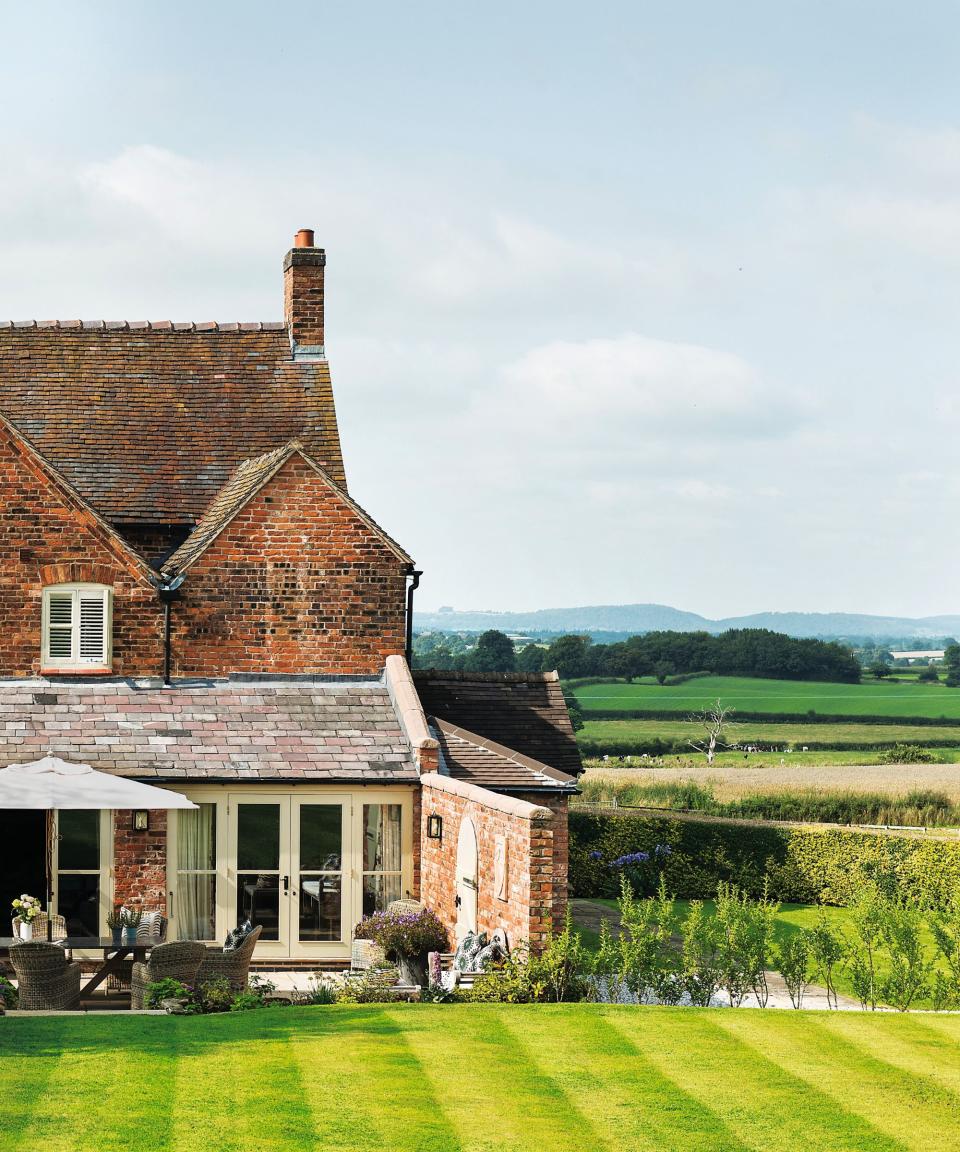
x: 8, y: 994
x: 800, y: 865
x: 554, y: 976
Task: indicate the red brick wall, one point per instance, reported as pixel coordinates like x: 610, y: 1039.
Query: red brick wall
x: 140, y: 862
x: 528, y: 913
x: 47, y: 536
x: 296, y: 583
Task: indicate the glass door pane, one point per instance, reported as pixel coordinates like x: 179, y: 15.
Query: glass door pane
x: 78, y: 870
x: 382, y: 856
x: 260, y: 882
x: 320, y: 872
x: 196, y: 902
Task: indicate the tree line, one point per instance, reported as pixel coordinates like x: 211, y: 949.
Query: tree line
x: 740, y: 652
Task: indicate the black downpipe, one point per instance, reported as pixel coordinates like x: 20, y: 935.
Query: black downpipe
x: 166, y: 643
x: 168, y: 593
x: 414, y: 585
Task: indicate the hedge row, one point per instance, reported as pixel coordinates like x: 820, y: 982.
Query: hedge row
x: 802, y: 865
x: 810, y: 717
x: 657, y: 746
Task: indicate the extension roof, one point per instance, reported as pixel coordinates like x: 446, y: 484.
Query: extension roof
x: 248, y: 478
x: 467, y: 756
x: 519, y: 711
x: 148, y: 421
x: 241, y: 729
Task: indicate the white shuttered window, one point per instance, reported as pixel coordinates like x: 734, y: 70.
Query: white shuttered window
x: 76, y: 626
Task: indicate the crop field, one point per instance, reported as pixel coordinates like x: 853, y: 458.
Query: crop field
x: 871, y: 698
x: 736, y: 781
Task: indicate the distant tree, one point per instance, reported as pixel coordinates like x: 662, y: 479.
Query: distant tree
x: 879, y: 670
x: 530, y: 658
x: 493, y: 653
x: 570, y: 656
x: 573, y: 707
x: 662, y: 669
x: 951, y: 658
x: 929, y: 675
x: 715, y: 722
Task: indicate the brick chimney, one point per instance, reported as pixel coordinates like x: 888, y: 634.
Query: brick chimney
x: 303, y: 294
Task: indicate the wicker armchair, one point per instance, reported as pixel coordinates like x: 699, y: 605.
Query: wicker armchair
x: 58, y: 932
x: 179, y: 960
x: 234, y: 966
x: 46, y: 979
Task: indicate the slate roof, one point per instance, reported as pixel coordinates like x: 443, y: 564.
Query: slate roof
x: 148, y: 422
x: 467, y: 756
x: 247, y: 479
x: 231, y: 730
x: 525, y: 712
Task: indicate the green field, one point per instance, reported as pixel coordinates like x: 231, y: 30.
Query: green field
x: 871, y: 698
x: 851, y: 734
x: 482, y: 1078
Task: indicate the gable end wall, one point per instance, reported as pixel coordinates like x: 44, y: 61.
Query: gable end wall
x: 295, y: 583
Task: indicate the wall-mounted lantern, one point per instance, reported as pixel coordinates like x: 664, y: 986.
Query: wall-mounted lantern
x: 141, y: 821
x: 435, y: 827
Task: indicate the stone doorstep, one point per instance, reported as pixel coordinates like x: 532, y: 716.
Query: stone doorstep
x: 85, y: 1012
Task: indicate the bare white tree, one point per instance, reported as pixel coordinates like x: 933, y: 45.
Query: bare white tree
x: 715, y: 722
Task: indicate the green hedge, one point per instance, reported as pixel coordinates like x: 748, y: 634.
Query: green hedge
x: 804, y: 865
x: 592, y: 748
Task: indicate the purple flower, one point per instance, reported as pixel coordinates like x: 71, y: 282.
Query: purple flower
x: 662, y: 850
x: 596, y: 855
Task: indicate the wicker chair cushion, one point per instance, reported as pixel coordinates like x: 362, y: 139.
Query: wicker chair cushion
x: 150, y: 926
x: 236, y: 936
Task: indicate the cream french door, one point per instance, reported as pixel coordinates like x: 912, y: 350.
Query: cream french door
x: 287, y: 855
x: 306, y: 864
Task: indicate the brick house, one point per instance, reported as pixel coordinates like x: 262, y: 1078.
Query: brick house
x: 190, y: 596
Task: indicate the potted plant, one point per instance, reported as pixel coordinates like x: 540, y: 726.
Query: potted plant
x: 131, y: 920
x: 115, y: 923
x: 28, y: 909
x: 406, y: 936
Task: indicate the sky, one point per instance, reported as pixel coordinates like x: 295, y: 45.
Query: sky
x: 626, y: 302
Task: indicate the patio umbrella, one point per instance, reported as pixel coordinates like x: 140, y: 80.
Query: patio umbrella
x: 52, y: 783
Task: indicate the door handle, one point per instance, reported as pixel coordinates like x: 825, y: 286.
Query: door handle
x: 286, y: 885
x: 457, y: 902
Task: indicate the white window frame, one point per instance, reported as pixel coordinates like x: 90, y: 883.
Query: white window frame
x: 74, y: 663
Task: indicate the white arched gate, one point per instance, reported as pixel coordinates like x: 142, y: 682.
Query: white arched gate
x: 467, y: 878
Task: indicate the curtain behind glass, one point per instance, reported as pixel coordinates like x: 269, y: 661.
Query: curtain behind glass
x: 196, y: 840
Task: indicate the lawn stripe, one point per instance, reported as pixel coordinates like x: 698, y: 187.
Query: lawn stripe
x: 903, y: 1041
x: 364, y: 1085
x: 114, y: 1095
x: 495, y: 1096
x: 906, y: 1106
x: 239, y: 1092
x: 761, y: 1102
x: 29, y: 1053
x: 614, y: 1085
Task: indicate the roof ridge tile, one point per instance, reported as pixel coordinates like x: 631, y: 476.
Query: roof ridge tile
x: 150, y: 325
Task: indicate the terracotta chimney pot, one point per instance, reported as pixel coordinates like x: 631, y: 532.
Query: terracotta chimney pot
x: 304, y: 238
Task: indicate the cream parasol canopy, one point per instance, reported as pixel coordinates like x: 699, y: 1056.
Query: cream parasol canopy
x: 51, y: 783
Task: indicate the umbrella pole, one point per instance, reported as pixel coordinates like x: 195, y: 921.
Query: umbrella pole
x: 51, y: 826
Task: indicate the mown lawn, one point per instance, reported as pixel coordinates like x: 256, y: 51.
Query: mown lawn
x: 480, y: 1078
x: 870, y: 698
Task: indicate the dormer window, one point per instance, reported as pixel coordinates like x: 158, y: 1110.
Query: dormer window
x: 77, y: 627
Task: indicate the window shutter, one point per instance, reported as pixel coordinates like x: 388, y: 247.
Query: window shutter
x: 60, y: 626
x: 93, y: 627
